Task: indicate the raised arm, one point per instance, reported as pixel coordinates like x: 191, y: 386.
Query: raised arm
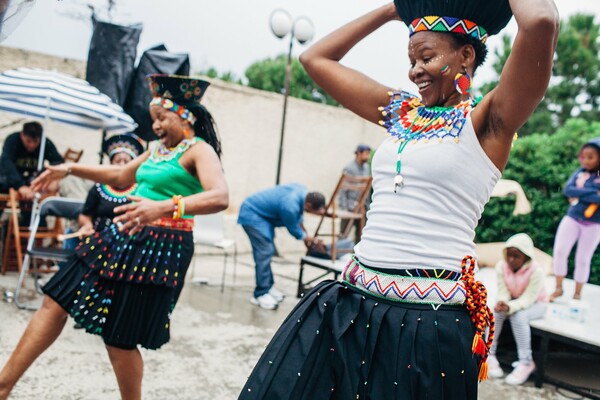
x: 354, y: 90
x: 523, y: 81
x: 114, y: 175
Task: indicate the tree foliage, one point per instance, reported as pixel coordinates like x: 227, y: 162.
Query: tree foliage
x: 575, y: 87
x: 541, y: 163
x: 269, y: 74
x: 227, y: 76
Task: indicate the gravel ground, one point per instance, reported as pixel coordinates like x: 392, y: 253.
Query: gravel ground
x: 216, y: 340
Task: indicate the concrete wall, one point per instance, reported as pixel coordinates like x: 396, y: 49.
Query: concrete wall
x: 319, y: 140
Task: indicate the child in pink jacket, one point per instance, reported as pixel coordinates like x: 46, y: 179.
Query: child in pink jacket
x: 521, y: 298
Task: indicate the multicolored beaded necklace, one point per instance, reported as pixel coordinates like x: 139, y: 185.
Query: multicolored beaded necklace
x: 162, y: 153
x: 113, y: 194
x: 408, y: 119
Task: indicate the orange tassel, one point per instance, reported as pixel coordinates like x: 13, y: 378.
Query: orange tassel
x: 483, y: 372
x: 479, y: 346
x: 590, y: 210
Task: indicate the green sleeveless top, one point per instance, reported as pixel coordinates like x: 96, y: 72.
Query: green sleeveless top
x: 161, y: 176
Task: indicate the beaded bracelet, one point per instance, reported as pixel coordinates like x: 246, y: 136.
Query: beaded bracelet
x: 178, y: 206
x: 181, y: 207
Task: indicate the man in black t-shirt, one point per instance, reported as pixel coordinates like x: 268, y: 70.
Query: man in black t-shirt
x: 19, y: 159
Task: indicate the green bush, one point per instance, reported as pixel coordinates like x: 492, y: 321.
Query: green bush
x: 541, y: 163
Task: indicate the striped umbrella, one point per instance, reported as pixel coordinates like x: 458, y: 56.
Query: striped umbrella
x: 52, y: 96
x: 48, y: 95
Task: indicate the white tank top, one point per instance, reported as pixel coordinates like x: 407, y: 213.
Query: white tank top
x: 430, y: 222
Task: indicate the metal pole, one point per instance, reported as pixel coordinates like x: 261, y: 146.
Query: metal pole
x: 100, y: 153
x: 288, y: 70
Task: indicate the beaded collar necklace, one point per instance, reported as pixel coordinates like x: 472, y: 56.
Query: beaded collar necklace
x: 161, y: 153
x: 407, y: 119
x: 113, y: 194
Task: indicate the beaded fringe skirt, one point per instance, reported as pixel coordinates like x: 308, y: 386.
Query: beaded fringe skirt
x: 341, y: 342
x: 123, y: 287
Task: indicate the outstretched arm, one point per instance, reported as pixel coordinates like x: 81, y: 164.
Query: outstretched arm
x: 523, y: 81
x: 114, y: 175
x: 354, y: 90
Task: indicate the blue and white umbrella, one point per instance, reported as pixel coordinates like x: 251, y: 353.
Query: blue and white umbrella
x: 52, y: 96
x: 41, y: 94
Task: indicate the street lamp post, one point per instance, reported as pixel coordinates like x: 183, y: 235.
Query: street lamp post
x: 302, y: 30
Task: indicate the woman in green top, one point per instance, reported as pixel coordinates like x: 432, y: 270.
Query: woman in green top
x: 124, y: 281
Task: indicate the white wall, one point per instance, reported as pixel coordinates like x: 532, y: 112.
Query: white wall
x: 319, y: 139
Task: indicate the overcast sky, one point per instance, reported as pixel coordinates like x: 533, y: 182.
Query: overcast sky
x: 232, y: 34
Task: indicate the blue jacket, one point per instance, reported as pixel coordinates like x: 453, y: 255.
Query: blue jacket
x: 586, y: 195
x: 268, y: 209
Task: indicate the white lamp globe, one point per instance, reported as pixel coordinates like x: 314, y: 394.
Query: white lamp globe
x: 303, y: 30
x: 281, y: 23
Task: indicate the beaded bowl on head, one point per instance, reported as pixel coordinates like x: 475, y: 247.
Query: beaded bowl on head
x: 127, y: 143
x: 182, y: 90
x: 476, y: 18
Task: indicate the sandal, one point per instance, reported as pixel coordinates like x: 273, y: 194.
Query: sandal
x: 557, y: 293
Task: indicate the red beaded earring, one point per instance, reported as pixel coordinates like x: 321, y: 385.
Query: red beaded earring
x: 462, y: 82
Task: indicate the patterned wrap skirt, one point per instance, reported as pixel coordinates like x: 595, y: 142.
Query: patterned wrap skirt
x: 373, y: 336
x: 124, y: 287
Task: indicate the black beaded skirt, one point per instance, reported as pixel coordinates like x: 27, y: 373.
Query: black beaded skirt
x: 343, y: 343
x: 123, y: 287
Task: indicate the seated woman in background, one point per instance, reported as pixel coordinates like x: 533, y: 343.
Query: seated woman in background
x: 98, y: 210
x: 521, y: 298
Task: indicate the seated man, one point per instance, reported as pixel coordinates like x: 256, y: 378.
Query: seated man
x: 260, y: 214
x: 19, y: 161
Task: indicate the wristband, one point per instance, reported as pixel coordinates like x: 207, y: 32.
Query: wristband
x: 177, y: 206
x: 181, y: 208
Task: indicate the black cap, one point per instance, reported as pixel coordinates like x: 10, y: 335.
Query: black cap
x: 491, y: 15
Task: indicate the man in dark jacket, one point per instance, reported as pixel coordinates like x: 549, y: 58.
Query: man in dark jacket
x: 19, y: 159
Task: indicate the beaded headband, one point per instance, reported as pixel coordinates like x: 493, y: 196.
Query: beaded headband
x: 127, y: 143
x: 170, y: 105
x: 122, y: 149
x: 448, y: 24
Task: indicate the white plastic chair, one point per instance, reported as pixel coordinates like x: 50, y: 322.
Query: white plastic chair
x: 209, y: 230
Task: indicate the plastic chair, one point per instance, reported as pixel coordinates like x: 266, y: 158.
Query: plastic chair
x: 209, y: 230
x: 59, y: 207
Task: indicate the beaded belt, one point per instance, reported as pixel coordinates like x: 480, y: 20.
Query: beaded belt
x: 408, y: 289
x: 434, y: 291
x: 184, y: 224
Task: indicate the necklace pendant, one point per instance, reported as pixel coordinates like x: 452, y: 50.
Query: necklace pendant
x: 398, y: 182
